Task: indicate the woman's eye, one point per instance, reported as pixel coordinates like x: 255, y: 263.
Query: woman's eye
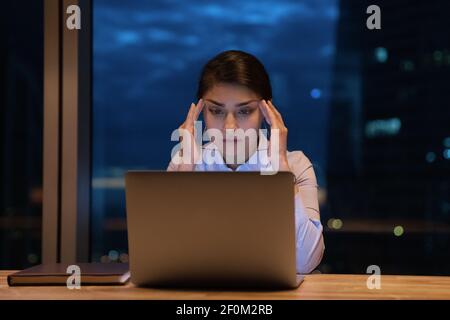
x: 245, y: 111
x: 215, y: 111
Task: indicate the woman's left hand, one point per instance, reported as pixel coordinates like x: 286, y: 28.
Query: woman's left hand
x: 274, y: 119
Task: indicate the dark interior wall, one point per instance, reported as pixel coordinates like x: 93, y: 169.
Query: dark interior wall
x: 21, y: 101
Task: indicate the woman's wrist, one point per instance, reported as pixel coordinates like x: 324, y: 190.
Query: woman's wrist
x: 284, y: 164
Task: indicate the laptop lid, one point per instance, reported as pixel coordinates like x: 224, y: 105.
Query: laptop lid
x: 211, y: 228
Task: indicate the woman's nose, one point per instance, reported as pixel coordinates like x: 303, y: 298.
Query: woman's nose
x: 230, y: 122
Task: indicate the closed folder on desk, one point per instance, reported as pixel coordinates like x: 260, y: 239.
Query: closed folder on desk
x: 57, y: 274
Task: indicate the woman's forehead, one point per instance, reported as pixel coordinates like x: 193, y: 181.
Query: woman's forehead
x: 252, y: 102
x: 230, y: 94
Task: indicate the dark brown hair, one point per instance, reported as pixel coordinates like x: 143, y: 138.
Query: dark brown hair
x: 235, y: 67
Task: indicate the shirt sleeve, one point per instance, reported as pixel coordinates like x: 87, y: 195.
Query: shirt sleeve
x: 309, y: 238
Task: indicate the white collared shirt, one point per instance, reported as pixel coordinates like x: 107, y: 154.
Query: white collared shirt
x: 309, y: 239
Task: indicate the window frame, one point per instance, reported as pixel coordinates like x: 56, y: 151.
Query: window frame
x: 67, y: 134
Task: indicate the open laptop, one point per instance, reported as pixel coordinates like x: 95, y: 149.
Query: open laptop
x: 211, y: 229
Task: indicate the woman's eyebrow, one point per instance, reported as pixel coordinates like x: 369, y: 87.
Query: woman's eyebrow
x: 245, y: 102
x: 215, y: 102
x: 238, y: 105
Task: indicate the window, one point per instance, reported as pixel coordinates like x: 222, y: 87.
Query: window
x: 369, y: 108
x: 147, y: 58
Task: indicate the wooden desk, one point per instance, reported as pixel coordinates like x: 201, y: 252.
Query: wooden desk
x: 315, y: 286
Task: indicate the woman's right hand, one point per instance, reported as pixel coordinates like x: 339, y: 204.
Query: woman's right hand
x: 190, y: 151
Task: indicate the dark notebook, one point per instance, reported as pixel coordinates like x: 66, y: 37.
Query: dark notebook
x: 56, y: 274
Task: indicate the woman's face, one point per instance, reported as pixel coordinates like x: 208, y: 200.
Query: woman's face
x: 228, y: 106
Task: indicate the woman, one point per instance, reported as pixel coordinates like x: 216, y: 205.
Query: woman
x: 234, y: 93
